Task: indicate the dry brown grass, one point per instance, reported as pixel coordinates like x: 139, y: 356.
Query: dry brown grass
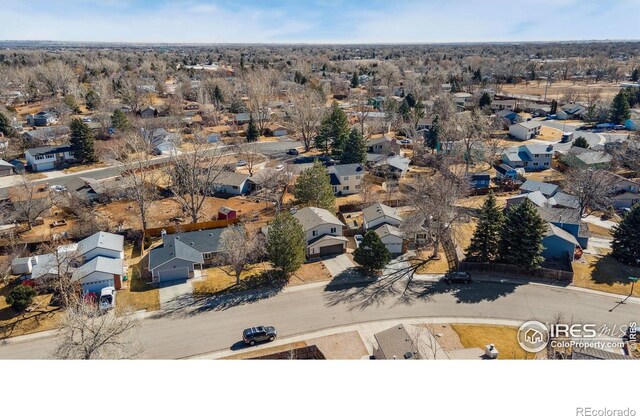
x: 604, y: 273
x: 42, y: 317
x: 432, y: 266
x: 136, y: 294
x: 546, y: 175
x: 503, y: 337
x: 599, y: 231
x: 82, y: 168
x: 549, y: 134
x: 218, y: 279
x: 309, y: 273
x: 557, y: 89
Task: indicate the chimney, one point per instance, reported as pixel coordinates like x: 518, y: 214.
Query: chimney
x: 163, y: 232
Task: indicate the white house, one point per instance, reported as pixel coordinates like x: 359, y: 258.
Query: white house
x: 379, y: 214
x: 48, y: 157
x: 323, y: 232
x: 346, y: 179
x: 531, y: 157
x: 525, y: 131
x: 231, y: 183
x: 392, y: 238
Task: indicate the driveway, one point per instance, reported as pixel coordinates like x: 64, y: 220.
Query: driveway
x: 338, y: 265
x: 175, y: 294
x: 601, y: 223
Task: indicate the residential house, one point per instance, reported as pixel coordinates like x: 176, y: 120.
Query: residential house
x: 463, y: 99
x: 379, y: 214
x: 525, y: 131
x: 624, y: 193
x: 97, y: 190
x: 535, y: 197
x: 275, y: 130
x: 95, y: 262
x: 504, y: 171
x: 48, y: 157
x: 571, y: 111
x: 567, y: 219
x: 564, y: 200
x: 148, y: 112
x: 531, y: 157
x: 580, y: 157
x: 538, y: 110
x: 392, y: 238
x: 392, y: 167
x: 6, y: 168
x: 43, y: 118
x: 395, y: 344
x: 500, y: 105
x: 507, y: 117
x: 346, y: 179
x: 558, y: 200
x: 547, y: 189
x: 558, y: 244
x: 230, y: 183
x: 45, y: 135
x: 480, y: 180
x: 180, y: 254
x: 163, y: 142
x: 383, y: 146
x: 323, y: 232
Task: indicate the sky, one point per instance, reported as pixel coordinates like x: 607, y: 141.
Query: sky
x: 318, y: 21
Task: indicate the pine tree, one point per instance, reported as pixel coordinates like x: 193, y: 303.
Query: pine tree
x: 554, y: 107
x: 626, y: 238
x: 434, y: 134
x: 620, y: 108
x: 5, y: 126
x: 580, y: 142
x: 218, y: 98
x: 314, y: 189
x: 635, y: 75
x: 286, y: 245
x: 486, y: 237
x: 485, y: 100
x: 371, y: 254
x: 404, y: 111
x: 355, y: 81
x: 355, y: 148
x: 521, y: 236
x: 334, y: 130
x: 82, y: 142
x: 119, y: 120
x: 411, y: 100
x: 92, y: 100
x: 252, y: 131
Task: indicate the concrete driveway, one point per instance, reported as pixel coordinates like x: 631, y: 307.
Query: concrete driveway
x: 338, y: 265
x: 175, y: 294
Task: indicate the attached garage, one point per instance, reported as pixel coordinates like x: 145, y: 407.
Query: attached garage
x: 173, y: 261
x: 328, y: 245
x: 392, y: 238
x: 181, y: 273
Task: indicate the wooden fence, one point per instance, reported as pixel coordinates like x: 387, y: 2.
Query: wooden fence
x: 182, y: 228
x: 515, y: 272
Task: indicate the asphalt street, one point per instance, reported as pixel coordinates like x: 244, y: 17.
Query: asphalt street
x: 214, y: 326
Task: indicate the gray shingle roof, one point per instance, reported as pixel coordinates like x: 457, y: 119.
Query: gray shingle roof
x: 378, y: 210
x: 231, y: 178
x: 347, y: 170
x: 46, y: 150
x: 396, y: 343
x: 173, y: 249
x: 99, y: 264
x: 101, y: 239
x: 560, y: 215
x: 311, y: 217
x: 559, y: 232
x: 387, y: 229
x: 547, y: 189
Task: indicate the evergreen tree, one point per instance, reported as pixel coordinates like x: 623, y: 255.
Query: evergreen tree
x: 477, y: 75
x: 635, y: 75
x: 119, y: 120
x: 486, y: 237
x: 355, y: 81
x: 404, y: 110
x: 5, y: 126
x: 286, y: 244
x: 411, y: 100
x: 626, y: 238
x: 485, y: 100
x: 434, y: 134
x: 554, y: 107
x: 218, y: 97
x: 355, y: 148
x: 521, y: 236
x: 252, y: 131
x: 314, y: 189
x: 71, y: 102
x: 82, y: 142
x: 92, y: 100
x: 371, y: 254
x: 334, y: 130
x: 21, y: 297
x: 620, y: 108
x: 580, y: 142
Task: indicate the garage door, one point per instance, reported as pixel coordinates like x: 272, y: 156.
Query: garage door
x: 329, y: 250
x: 96, y: 287
x: 173, y: 274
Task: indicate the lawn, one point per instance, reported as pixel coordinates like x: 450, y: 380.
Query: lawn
x: 137, y: 293
x: 546, y: 175
x: 309, y: 273
x: 432, y: 266
x: 218, y: 279
x: 82, y: 168
x: 41, y: 318
x: 598, y: 231
x: 549, y: 134
x: 503, y: 337
x: 604, y: 273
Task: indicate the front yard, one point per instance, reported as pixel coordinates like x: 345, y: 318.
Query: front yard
x: 604, y: 273
x: 41, y: 317
x: 503, y: 337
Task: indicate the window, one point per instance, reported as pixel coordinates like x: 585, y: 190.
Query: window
x: 358, y: 177
x: 546, y: 163
x: 535, y: 163
x: 536, y: 155
x: 314, y: 233
x: 345, y: 188
x: 333, y: 230
x: 345, y: 178
x: 207, y: 256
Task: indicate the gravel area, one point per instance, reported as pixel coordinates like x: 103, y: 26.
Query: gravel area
x: 449, y: 339
x: 344, y: 346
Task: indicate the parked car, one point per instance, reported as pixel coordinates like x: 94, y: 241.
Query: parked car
x: 241, y: 163
x: 358, y: 238
x: 457, y: 277
x: 406, y: 141
x: 58, y: 188
x: 293, y: 152
x: 107, y: 298
x: 279, y: 168
x: 58, y: 223
x: 259, y: 334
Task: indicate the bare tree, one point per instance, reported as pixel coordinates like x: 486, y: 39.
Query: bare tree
x: 305, y: 114
x: 193, y: 175
x: 248, y: 152
x: 56, y: 76
x: 262, y: 87
x: 592, y: 187
x: 240, y: 249
x: 88, y: 334
x: 61, y: 259
x: 29, y: 200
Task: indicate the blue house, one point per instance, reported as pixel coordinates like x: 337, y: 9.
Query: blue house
x: 505, y: 171
x: 480, y: 180
x: 558, y: 244
x: 567, y: 219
